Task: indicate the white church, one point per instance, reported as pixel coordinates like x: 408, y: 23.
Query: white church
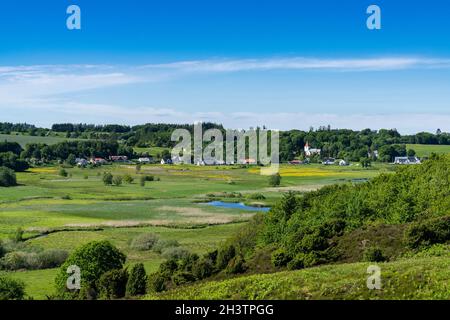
x: 311, y: 151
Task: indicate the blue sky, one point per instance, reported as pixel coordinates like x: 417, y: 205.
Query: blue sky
x: 283, y: 64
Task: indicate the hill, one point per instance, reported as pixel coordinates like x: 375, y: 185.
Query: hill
x: 416, y: 278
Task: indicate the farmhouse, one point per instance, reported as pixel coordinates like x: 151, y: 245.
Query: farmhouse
x: 407, y: 160
x: 118, y: 158
x: 145, y: 160
x: 81, y: 162
x: 98, y: 161
x: 329, y: 161
x: 311, y: 151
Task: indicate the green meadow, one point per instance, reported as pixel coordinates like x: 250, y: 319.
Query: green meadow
x: 425, y: 150
x: 66, y: 212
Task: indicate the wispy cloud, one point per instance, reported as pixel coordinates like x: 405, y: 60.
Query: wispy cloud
x: 299, y: 63
x: 48, y: 89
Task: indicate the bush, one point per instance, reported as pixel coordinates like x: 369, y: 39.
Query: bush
x: 203, y: 268
x: 145, y: 241
x: 128, y: 179
x: 256, y: 196
x: 164, y: 244
x: 182, y: 277
x: 63, y: 173
x: 7, y: 177
x: 11, y: 289
x: 275, y: 180
x: 157, y: 282
x: 14, y: 261
x: 175, y: 253
x: 33, y: 261
x: 117, y: 181
x: 137, y: 281
x: 224, y: 256
x: 107, y: 179
x: 280, y: 258
x: 296, y: 263
x: 428, y: 232
x: 52, y: 258
x: 112, y: 284
x: 373, y: 254
x: 94, y: 259
x: 236, y: 265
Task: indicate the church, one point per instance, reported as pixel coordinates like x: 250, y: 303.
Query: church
x: 310, y: 151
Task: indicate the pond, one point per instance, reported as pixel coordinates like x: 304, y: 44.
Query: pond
x: 233, y: 205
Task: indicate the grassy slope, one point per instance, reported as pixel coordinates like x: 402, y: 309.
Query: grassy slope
x: 422, y: 278
x: 424, y: 150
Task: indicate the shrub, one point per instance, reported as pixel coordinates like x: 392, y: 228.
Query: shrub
x: 224, y: 256
x: 52, y: 258
x: 18, y: 235
x: 117, y: 181
x: 11, y: 289
x: 7, y: 177
x: 256, y: 196
x: 203, y: 268
x: 112, y: 284
x: 297, y: 262
x: 280, y: 258
x: 47, y: 259
x: 428, y: 232
x: 164, y: 244
x: 157, y: 282
x: 144, y: 241
x: 63, y: 173
x: 182, y: 277
x: 94, y: 259
x: 14, y: 261
x: 128, y: 179
x: 175, y: 253
x: 373, y: 254
x: 107, y: 179
x: 275, y: 180
x: 137, y: 281
x: 236, y: 265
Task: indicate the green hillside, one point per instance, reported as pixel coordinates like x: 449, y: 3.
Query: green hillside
x: 419, y: 278
x: 425, y: 150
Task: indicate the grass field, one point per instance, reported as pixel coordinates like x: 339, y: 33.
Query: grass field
x: 70, y: 208
x: 425, y: 150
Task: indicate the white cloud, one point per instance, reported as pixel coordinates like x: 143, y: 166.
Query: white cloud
x: 300, y: 63
x: 34, y: 90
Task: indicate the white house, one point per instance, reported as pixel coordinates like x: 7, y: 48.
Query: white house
x: 145, y: 160
x: 343, y: 163
x: 329, y: 161
x: 81, y: 162
x: 407, y: 160
x: 311, y: 151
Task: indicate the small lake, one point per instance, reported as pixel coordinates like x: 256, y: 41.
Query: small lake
x: 232, y: 205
